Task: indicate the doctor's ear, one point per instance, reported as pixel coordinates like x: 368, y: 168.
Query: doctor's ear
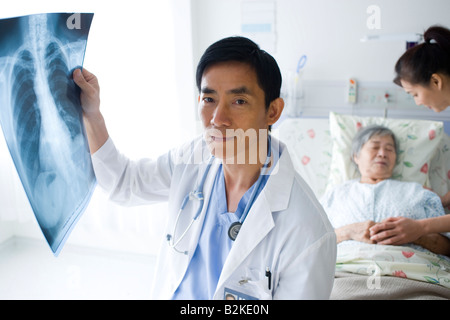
x: 274, y: 112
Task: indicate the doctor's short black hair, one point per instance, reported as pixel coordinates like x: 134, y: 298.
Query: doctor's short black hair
x: 244, y: 50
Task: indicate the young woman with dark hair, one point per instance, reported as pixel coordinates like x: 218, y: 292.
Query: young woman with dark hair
x: 424, y: 70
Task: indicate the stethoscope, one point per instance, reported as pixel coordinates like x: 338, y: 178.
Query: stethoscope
x: 197, y: 194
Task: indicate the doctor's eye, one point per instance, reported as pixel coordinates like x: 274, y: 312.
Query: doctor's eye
x: 240, y: 101
x: 208, y: 100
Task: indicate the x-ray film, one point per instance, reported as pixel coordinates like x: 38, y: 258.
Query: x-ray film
x: 41, y: 118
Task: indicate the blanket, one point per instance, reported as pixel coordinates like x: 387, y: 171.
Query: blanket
x: 351, y: 286
x: 390, y: 272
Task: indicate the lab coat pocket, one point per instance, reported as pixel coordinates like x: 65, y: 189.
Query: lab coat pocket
x: 253, y: 285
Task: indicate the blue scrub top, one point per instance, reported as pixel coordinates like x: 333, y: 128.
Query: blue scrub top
x: 202, y: 275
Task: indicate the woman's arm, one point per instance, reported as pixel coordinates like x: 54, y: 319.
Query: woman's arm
x: 401, y: 230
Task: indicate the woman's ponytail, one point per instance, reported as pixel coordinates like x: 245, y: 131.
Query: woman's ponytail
x: 432, y: 56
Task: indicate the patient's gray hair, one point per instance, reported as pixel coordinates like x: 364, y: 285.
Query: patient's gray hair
x: 366, y: 133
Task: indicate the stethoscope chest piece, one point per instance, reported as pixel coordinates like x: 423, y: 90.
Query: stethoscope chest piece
x: 234, y: 230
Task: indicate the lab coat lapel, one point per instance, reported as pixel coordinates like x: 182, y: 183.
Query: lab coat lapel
x: 258, y: 224
x: 274, y: 197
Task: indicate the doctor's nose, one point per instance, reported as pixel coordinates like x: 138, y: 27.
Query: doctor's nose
x: 221, y: 116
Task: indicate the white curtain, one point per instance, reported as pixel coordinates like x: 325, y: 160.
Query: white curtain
x: 141, y: 51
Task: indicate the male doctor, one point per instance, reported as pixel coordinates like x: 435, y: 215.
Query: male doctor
x: 242, y: 223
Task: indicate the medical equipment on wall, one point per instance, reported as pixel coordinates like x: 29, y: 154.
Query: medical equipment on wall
x: 298, y: 89
x: 351, y: 91
x: 198, y: 195
x: 293, y: 89
x: 411, y: 39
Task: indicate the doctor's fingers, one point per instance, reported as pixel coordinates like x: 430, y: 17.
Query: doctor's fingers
x: 87, y: 81
x: 90, y: 89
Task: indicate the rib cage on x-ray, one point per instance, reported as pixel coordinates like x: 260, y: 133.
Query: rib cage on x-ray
x: 27, y: 112
x: 62, y: 89
x: 40, y: 114
x: 27, y: 116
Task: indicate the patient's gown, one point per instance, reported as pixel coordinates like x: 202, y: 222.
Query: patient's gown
x: 353, y: 201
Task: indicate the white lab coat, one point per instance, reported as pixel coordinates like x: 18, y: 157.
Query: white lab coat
x: 286, y: 229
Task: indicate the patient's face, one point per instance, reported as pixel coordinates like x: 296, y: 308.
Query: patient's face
x: 376, y: 160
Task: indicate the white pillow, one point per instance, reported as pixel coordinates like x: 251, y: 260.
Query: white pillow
x: 418, y: 143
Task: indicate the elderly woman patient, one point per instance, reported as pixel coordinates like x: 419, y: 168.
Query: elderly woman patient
x: 355, y: 206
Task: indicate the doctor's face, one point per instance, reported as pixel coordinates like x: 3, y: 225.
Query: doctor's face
x: 376, y: 159
x: 233, y: 113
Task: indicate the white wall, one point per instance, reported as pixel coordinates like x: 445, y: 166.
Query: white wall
x: 327, y: 31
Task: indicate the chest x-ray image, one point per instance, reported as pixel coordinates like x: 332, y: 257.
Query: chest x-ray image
x: 41, y: 117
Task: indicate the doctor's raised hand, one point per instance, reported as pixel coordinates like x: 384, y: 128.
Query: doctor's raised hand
x: 90, y: 102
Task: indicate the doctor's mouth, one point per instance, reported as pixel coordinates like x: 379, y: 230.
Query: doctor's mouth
x: 221, y: 139
x: 236, y: 141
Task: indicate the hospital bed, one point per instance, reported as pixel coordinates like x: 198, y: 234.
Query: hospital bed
x: 320, y: 149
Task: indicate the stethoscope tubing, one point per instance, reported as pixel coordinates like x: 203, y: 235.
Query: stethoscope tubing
x: 198, y: 194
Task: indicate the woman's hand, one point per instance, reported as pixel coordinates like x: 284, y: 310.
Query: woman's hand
x: 396, y: 231
x: 359, y: 231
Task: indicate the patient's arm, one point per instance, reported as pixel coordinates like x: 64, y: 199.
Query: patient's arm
x: 358, y: 231
x: 435, y: 242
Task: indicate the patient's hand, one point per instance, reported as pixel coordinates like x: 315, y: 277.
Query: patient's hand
x: 396, y: 231
x: 359, y: 231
